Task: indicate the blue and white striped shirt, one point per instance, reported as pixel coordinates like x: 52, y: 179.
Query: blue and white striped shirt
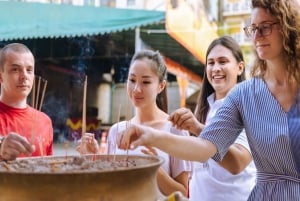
x: 273, y: 136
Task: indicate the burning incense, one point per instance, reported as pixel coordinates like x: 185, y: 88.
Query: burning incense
x: 84, y: 107
x: 43, y: 94
x: 38, y: 83
x: 115, y: 140
x: 40, y: 141
x: 127, y: 124
x: 127, y: 150
x: 38, y: 92
x: 33, y: 94
x: 33, y: 127
x: 66, y: 147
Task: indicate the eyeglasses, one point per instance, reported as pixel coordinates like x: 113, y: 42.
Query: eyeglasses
x: 264, y: 29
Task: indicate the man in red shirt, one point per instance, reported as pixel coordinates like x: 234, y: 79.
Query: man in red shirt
x: 24, y: 131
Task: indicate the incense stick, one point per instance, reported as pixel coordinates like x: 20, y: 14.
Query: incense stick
x: 84, y: 107
x: 115, y: 140
x: 33, y: 93
x: 127, y: 124
x: 66, y: 146
x: 43, y: 94
x: 40, y: 142
x: 38, y: 92
x: 33, y: 129
x: 36, y: 101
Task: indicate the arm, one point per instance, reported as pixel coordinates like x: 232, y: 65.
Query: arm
x: 236, y: 159
x: 225, y: 131
x: 238, y: 156
x: 168, y: 185
x: 183, y: 147
x: 184, y: 119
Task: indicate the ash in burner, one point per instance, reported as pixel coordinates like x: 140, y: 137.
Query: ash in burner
x: 71, y: 164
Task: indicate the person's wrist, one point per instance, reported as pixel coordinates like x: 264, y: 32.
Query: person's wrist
x: 198, y: 129
x: 195, y: 131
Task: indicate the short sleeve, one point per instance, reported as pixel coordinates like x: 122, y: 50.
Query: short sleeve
x: 225, y: 126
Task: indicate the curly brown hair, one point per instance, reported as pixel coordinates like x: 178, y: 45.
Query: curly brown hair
x: 288, y: 16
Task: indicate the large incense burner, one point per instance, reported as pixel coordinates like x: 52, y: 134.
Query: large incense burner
x: 85, y: 178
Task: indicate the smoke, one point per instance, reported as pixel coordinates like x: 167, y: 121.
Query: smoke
x: 57, y: 109
x: 85, y: 50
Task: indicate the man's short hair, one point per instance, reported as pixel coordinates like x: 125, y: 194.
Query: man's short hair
x: 14, y: 47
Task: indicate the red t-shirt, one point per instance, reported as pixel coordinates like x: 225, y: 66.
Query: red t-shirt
x: 36, y: 126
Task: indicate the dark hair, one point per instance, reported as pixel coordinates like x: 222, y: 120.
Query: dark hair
x: 14, y: 47
x: 159, y: 67
x: 206, y: 89
x: 287, y: 14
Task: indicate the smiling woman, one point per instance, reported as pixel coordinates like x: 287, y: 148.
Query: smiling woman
x: 236, y: 172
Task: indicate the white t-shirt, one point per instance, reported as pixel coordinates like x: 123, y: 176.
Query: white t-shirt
x: 173, y: 166
x: 211, y: 182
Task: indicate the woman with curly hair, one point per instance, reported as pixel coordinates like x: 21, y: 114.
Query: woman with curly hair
x: 267, y: 106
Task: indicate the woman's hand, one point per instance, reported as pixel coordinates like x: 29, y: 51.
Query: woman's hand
x: 184, y: 119
x: 88, y: 144
x: 136, y: 135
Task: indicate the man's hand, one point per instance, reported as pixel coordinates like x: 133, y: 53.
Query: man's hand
x: 13, y: 145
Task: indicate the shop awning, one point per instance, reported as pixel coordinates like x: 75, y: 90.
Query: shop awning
x: 23, y: 20
x: 36, y: 23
